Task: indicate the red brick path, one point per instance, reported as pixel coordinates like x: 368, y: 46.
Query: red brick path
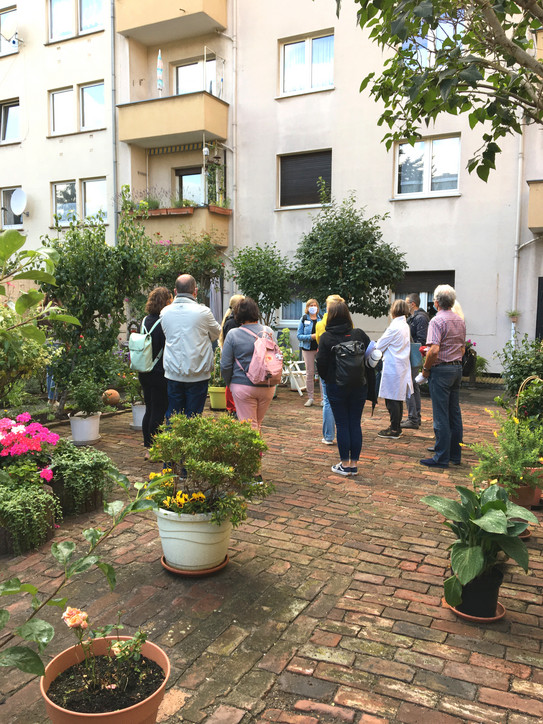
x: 330, y: 608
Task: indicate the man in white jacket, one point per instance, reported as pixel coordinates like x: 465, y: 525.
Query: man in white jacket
x: 189, y: 328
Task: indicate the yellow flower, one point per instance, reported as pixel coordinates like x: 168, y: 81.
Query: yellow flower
x: 166, y: 470
x: 493, y: 482
x: 166, y: 502
x: 495, y: 433
x: 471, y: 475
x: 198, y: 496
x: 515, y: 420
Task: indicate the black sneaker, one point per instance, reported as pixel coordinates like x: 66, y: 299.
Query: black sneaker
x: 393, y: 434
x: 409, y: 425
x: 340, y: 470
x: 353, y: 471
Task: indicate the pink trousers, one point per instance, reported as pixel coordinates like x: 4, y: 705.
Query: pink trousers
x: 252, y: 402
x: 309, y: 359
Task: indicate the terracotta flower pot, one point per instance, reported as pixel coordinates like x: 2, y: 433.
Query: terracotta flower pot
x: 145, y: 712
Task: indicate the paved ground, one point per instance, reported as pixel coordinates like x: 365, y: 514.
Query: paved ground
x: 330, y: 609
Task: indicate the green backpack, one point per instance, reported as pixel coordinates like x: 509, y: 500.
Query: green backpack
x: 140, y: 345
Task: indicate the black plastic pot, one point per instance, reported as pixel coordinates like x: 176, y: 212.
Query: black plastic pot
x: 480, y: 596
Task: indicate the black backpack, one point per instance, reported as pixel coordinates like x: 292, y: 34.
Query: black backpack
x: 350, y: 363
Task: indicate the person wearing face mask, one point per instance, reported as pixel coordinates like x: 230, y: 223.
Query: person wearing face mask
x: 308, y: 344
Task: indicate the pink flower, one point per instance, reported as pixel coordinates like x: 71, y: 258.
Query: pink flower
x: 24, y: 417
x: 6, y: 423
x: 46, y: 474
x: 75, y: 618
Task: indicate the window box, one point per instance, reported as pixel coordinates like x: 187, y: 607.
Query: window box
x: 181, y: 211
x: 219, y: 210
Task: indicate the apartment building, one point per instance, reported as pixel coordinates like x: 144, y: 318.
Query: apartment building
x: 227, y: 111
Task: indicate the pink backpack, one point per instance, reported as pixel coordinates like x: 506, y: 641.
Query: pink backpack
x: 267, y: 362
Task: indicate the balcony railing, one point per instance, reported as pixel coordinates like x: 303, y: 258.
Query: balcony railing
x: 173, y: 120
x: 161, y: 22
x: 170, y: 224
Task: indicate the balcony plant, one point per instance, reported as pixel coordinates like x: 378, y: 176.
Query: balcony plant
x: 217, y: 386
x: 211, y: 471
x: 117, y: 655
x: 485, y: 523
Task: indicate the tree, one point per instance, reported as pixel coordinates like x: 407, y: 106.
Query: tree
x: 263, y: 274
x: 344, y: 254
x: 457, y: 57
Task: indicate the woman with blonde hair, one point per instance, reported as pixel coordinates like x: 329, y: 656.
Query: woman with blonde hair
x: 328, y: 423
x: 229, y: 322
x: 396, y: 376
x: 307, y: 337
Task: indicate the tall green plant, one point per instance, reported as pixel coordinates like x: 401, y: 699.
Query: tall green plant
x: 262, y: 273
x: 520, y: 359
x: 344, y: 253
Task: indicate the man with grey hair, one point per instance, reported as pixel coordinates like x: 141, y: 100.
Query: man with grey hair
x: 189, y: 328
x: 418, y: 326
x: 443, y: 369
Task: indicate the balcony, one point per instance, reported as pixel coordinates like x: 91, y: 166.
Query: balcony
x: 535, y: 206
x: 169, y: 224
x: 173, y: 120
x: 161, y: 22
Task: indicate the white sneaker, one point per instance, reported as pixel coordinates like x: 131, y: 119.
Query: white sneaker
x: 322, y: 403
x: 309, y: 403
x: 327, y: 442
x: 340, y: 470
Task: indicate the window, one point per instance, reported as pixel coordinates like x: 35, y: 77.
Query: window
x: 9, y: 219
x: 424, y: 48
x: 67, y: 15
x: 424, y: 283
x: 198, y: 76
x: 62, y: 111
x: 307, y: 64
x: 428, y: 167
x: 92, y: 106
x: 9, y: 121
x: 299, y: 177
x: 64, y: 201
x: 190, y: 184
x: 95, y: 197
x: 292, y: 312
x: 8, y: 32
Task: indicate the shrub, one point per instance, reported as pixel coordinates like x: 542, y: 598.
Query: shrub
x: 520, y: 359
x: 28, y: 513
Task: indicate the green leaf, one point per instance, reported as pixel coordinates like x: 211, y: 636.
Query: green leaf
x: 63, y: 551
x: 38, y: 631
x: 28, y: 300
x: 109, y: 573
x: 8, y: 588
x: 482, y: 172
x: 453, y: 591
x: 517, y: 511
x: 29, y: 588
x: 468, y: 497
x: 37, y: 276
x: 515, y: 549
x: 448, y: 508
x: 93, y: 535
x: 114, y: 508
x: 59, y: 602
x: 4, y: 617
x: 58, y: 317
x: 493, y: 521
x: 467, y: 561
x: 82, y: 565
x: 23, y: 659
x: 30, y: 331
x: 10, y: 242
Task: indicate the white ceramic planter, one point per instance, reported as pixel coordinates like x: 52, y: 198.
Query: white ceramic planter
x: 191, y: 542
x: 138, y: 411
x: 85, y: 430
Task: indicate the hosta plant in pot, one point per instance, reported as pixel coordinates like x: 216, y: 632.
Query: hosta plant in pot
x: 486, y: 523
x: 105, y: 673
x: 217, y: 386
x: 512, y: 459
x: 211, y: 470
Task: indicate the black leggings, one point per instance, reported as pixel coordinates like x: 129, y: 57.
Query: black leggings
x: 155, y: 396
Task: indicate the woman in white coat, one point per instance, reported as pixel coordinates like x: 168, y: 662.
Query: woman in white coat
x: 396, y: 376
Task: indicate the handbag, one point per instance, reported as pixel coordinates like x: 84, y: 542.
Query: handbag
x: 415, y: 357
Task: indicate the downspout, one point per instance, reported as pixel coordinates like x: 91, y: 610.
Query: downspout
x: 114, y: 126
x: 234, y: 122
x: 518, y: 227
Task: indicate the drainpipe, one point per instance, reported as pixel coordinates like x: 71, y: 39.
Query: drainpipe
x: 234, y: 122
x: 518, y: 227
x: 114, y: 126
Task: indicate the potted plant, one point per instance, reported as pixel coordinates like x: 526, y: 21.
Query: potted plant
x: 182, y: 206
x: 212, y: 470
x: 28, y: 509
x: 107, y: 661
x: 513, y: 460
x: 513, y: 315
x: 289, y: 358
x: 217, y: 386
x: 485, y: 523
x: 134, y: 395
x: 87, y: 402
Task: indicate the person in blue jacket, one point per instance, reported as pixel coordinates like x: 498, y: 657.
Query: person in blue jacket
x: 308, y: 344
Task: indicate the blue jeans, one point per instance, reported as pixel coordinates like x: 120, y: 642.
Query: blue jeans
x: 328, y: 422
x: 444, y: 385
x: 347, y: 404
x: 187, y: 398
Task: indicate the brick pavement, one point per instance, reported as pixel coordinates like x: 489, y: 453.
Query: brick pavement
x: 330, y: 608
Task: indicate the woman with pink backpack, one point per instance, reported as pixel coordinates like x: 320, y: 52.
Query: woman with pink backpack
x: 251, y: 364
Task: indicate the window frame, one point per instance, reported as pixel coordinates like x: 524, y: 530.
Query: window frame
x: 54, y: 184
x: 295, y: 181
x: 427, y: 177
x: 4, y: 118
x: 308, y: 64
x: 190, y: 171
x: 81, y: 110
x: 10, y: 48
x: 84, y: 182
x: 201, y: 64
x: 76, y: 19
x: 4, y: 204
x: 288, y: 321
x: 73, y: 125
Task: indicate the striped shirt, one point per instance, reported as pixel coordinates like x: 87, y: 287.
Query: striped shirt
x: 448, y: 330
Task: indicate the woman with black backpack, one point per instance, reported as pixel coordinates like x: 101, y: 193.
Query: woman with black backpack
x: 340, y: 363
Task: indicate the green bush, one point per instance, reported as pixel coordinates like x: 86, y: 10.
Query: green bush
x: 520, y: 359
x: 82, y: 472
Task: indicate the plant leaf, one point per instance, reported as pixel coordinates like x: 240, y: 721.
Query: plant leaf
x: 63, y: 551
x: 82, y: 565
x: 28, y: 300
x: 493, y: 521
x: 22, y: 658
x: 515, y: 549
x: 109, y: 573
x: 467, y: 561
x: 59, y: 317
x: 4, y: 617
x: 30, y: 331
x: 517, y: 511
x: 37, y: 276
x: 10, y: 242
x: 59, y: 602
x: 38, y: 631
x: 448, y: 508
x: 453, y: 591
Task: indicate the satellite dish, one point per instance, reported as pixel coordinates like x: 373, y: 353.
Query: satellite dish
x: 18, y: 202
